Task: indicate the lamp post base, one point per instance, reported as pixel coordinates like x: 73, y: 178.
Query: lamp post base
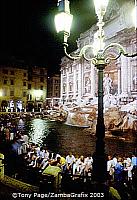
x: 99, y: 168
x: 99, y: 157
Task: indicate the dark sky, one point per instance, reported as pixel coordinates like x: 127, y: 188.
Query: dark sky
x: 27, y: 30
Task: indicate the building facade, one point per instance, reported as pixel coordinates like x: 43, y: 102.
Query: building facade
x: 22, y: 88
x: 13, y: 88
x: 79, y: 78
x: 53, y: 95
x: 37, y: 88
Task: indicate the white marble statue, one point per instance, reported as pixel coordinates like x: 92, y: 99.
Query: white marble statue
x: 107, y: 82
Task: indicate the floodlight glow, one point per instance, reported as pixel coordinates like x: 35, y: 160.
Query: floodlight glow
x: 38, y: 93
x: 63, y: 22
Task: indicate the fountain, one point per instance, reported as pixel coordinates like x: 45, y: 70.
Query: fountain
x: 81, y: 116
x: 118, y: 118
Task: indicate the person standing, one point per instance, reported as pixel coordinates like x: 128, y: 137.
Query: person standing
x: 129, y: 169
x: 134, y: 161
x: 110, y: 168
x: 119, y: 168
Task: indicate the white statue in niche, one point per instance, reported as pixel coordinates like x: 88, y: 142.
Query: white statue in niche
x: 87, y: 85
x: 107, y: 83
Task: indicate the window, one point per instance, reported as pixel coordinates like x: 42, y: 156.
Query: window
x: 29, y: 86
x: 24, y: 94
x: 42, y: 79
x: 77, y: 85
x: 4, y: 92
x: 56, y: 81
x: 12, y: 72
x: 25, y: 74
x: 41, y: 71
x: 56, y: 87
x: 24, y: 83
x: 56, y: 94
x: 41, y: 87
x: 12, y: 82
x: 5, y: 82
x: 5, y: 71
x: 11, y: 93
x: 70, y: 87
x: 64, y: 88
x: 64, y: 71
x: 70, y: 69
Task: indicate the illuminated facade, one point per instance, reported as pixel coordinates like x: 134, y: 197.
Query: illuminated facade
x: 13, y: 88
x: 79, y: 78
x: 53, y: 95
x: 37, y: 87
x: 22, y: 88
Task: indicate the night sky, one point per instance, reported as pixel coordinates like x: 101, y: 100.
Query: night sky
x: 27, y: 30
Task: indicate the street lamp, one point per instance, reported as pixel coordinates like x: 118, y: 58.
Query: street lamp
x: 100, y: 60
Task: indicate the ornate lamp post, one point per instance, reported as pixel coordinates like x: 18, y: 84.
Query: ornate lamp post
x: 100, y: 59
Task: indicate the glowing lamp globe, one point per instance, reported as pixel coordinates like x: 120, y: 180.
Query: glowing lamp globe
x: 63, y: 22
x: 100, y: 6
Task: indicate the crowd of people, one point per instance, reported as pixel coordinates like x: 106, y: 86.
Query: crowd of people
x: 39, y: 156
x: 120, y: 168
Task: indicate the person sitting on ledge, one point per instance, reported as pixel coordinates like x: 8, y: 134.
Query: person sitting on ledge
x: 70, y: 159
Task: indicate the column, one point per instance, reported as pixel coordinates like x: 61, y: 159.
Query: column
x: 124, y: 75
x: 74, y: 82
x: 67, y: 83
x: 129, y: 69
x: 133, y: 69
x: 92, y: 80
x: 129, y: 76
x: 79, y: 83
x: 119, y: 76
x: 82, y: 78
x: 61, y: 85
